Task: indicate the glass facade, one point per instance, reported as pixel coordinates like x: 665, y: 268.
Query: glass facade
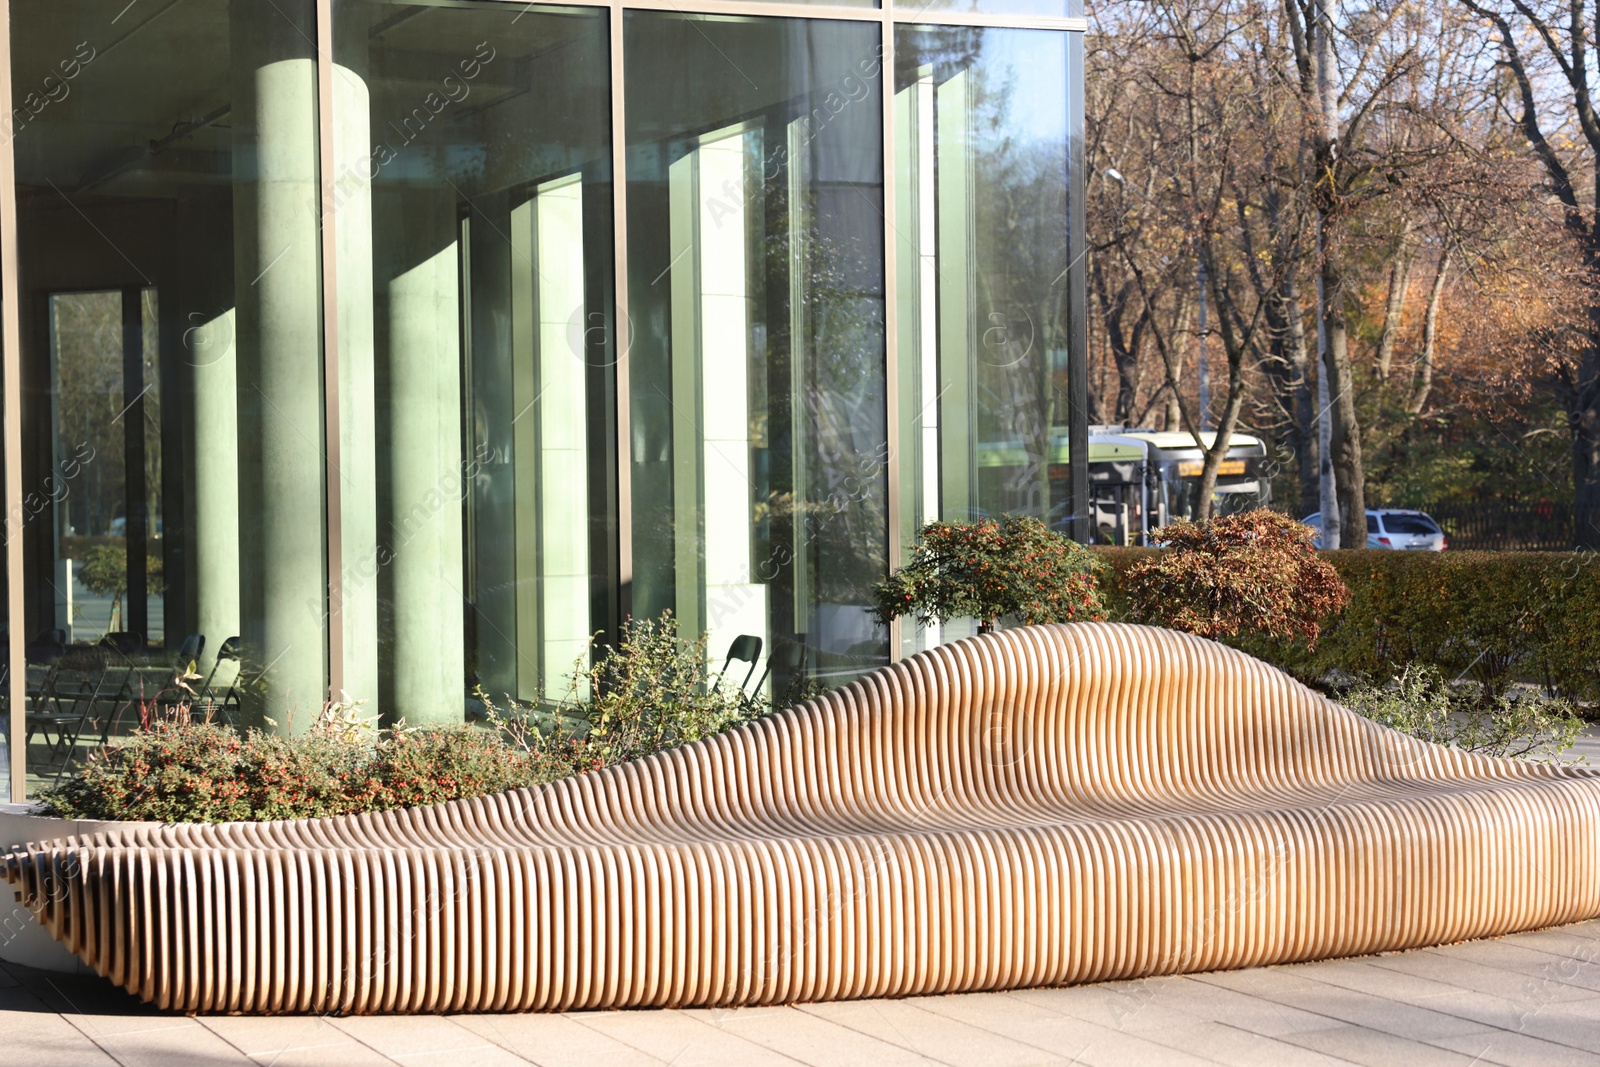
x: 984, y: 327
x: 755, y: 257
x: 403, y: 349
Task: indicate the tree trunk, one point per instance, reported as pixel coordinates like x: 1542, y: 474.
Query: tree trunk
x: 1394, y: 307
x: 1582, y: 401
x: 1345, y: 443
x: 1585, y: 423
x: 1422, y: 379
x: 1303, y: 410
x: 1125, y: 345
x: 1348, y: 469
x: 1172, y: 362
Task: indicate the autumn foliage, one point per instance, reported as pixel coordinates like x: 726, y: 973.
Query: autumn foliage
x: 1253, y: 573
x: 992, y: 569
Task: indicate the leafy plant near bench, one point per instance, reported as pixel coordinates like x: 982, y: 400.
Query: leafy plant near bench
x: 1421, y: 702
x: 992, y: 569
x: 176, y: 770
x: 651, y: 693
x: 654, y: 693
x: 1250, y: 573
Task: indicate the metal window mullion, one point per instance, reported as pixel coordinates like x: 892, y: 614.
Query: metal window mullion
x: 891, y: 316
x: 1077, y: 298
x: 11, y: 341
x: 333, y: 509
x: 622, y: 334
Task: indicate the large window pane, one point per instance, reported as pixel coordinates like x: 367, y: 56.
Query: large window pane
x: 981, y: 199
x: 756, y: 300
x: 474, y: 244
x: 171, y: 343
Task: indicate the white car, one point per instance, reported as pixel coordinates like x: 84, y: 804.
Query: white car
x: 1394, y: 528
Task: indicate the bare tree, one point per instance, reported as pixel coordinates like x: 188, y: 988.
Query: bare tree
x: 1545, y: 53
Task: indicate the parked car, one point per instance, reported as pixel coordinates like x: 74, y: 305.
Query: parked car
x: 1394, y: 528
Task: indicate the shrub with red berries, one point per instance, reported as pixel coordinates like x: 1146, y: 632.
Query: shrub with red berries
x: 992, y: 569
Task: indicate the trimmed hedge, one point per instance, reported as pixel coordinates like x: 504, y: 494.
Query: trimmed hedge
x: 1494, y: 617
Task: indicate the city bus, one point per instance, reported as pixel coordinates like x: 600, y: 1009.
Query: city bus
x: 1140, y: 480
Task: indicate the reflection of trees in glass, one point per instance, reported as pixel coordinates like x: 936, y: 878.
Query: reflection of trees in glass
x: 844, y: 508
x: 104, y: 572
x: 90, y: 403
x: 87, y: 332
x: 152, y: 412
x: 1015, y: 262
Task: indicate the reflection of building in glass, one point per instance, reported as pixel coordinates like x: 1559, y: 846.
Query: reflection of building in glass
x: 418, y: 346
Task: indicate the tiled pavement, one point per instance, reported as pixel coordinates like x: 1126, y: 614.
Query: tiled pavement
x: 1528, y: 999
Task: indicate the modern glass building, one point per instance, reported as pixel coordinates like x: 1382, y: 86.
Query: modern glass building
x: 413, y: 343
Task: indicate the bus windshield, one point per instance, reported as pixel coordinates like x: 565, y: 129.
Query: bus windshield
x: 1233, y: 494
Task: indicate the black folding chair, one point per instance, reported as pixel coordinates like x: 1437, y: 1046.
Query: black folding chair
x: 69, y: 708
x: 746, y: 648
x: 125, y: 642
x: 791, y: 660
x: 175, y: 689
x: 219, y: 694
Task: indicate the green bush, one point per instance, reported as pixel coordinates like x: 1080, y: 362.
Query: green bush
x: 1495, y: 618
x: 104, y: 571
x: 1420, y: 702
x: 1254, y: 573
x: 988, y: 570
x: 653, y: 691
x: 167, y: 772
x: 180, y: 770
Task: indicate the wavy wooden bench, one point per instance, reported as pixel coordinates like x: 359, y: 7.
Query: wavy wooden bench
x: 1039, y: 806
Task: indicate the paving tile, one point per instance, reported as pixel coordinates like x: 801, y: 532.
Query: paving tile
x: 1577, y: 971
x: 807, y: 1038
x: 45, y: 1039
x: 1247, y: 1011
x: 1575, y: 1024
x: 1518, y: 1050
x: 1346, y: 1005
x: 678, y: 1038
x: 1122, y: 1006
x: 1567, y: 1021
x: 286, y: 1040
x: 1240, y: 1048
x: 424, y: 1039
x: 178, y: 1045
x: 1562, y: 940
x: 1359, y: 1045
x: 84, y: 994
x: 1363, y: 976
x: 1468, y: 974
x: 554, y: 1040
x: 1519, y: 1000
x: 941, y: 1039
x: 1036, y: 1023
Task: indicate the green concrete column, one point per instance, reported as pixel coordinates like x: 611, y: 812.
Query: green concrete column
x: 420, y: 349
x: 352, y: 189
x: 276, y: 282
x: 210, y: 349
